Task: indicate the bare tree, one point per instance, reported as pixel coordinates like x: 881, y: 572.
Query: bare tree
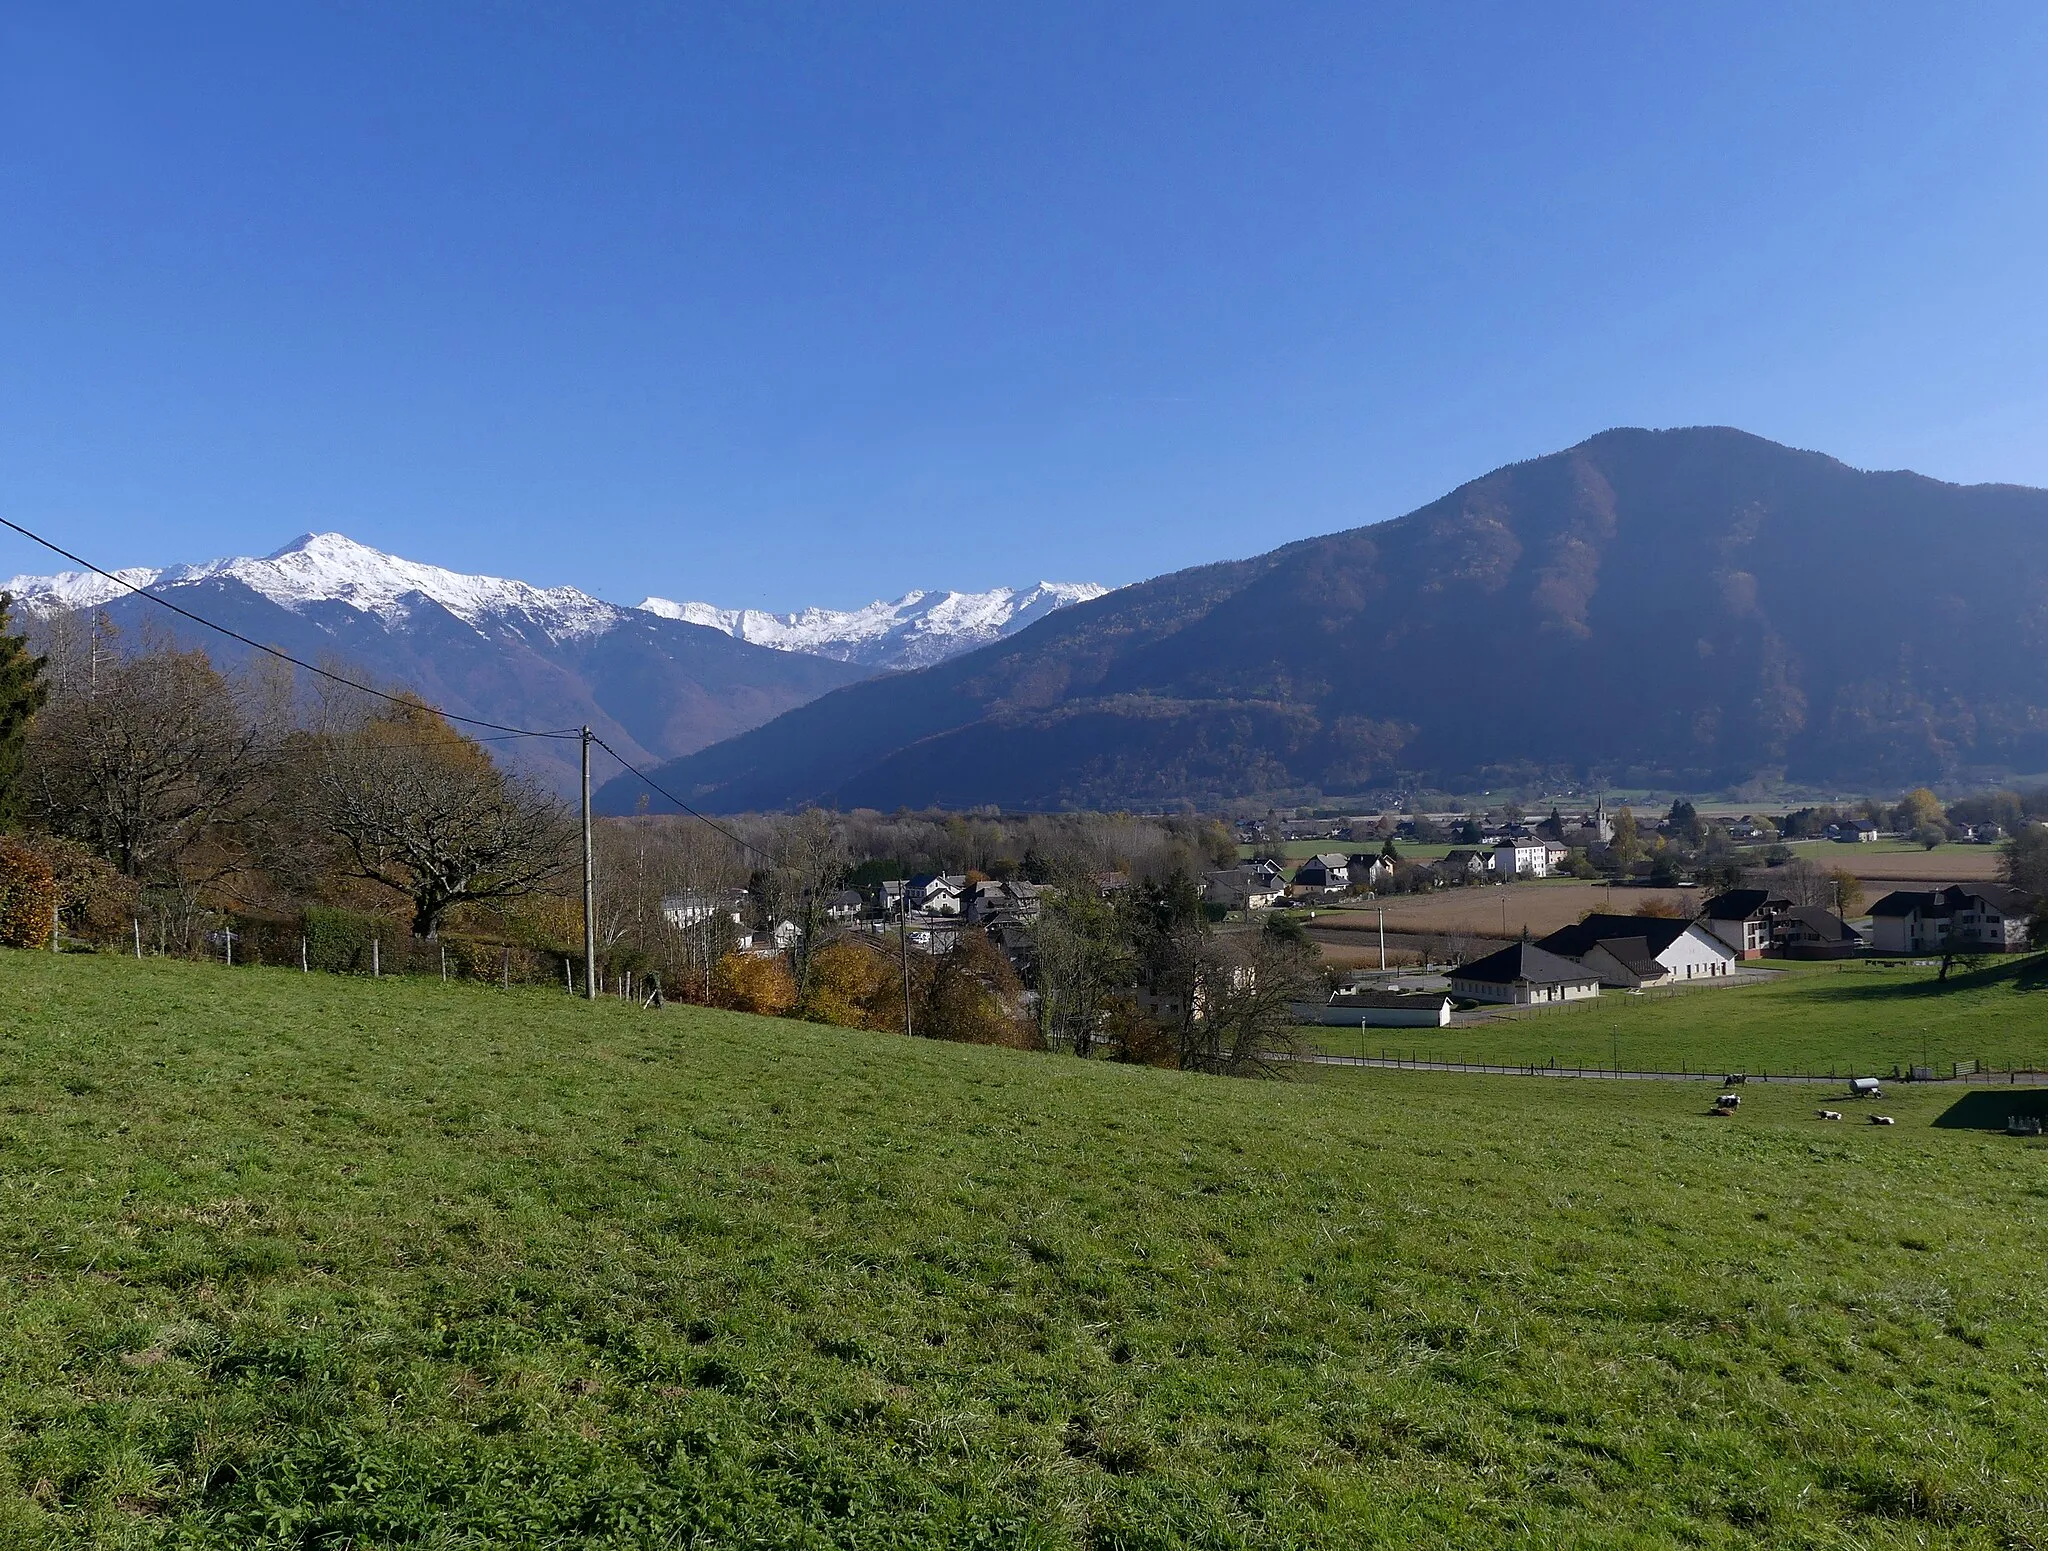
x: 1244, y: 1024
x: 409, y: 803
x: 151, y: 758
x: 808, y: 863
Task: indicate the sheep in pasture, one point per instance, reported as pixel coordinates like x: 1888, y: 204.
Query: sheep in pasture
x: 1882, y: 1120
x: 1829, y: 1114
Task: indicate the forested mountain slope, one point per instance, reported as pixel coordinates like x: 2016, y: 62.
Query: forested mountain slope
x: 1698, y: 607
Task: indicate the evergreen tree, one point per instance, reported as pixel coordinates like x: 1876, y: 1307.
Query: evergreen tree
x: 22, y: 693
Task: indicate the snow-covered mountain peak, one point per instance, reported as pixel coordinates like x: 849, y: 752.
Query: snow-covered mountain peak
x: 913, y: 631
x: 318, y: 568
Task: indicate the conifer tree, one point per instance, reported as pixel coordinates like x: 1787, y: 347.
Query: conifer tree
x: 22, y: 692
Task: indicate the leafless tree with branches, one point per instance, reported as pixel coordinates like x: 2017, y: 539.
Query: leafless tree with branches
x: 409, y: 803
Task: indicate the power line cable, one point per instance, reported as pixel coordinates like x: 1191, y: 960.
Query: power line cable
x: 656, y: 786
x: 284, y: 656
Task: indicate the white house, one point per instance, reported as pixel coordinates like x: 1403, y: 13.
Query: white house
x: 1629, y: 952
x: 1743, y: 919
x: 937, y: 894
x: 1369, y: 870
x: 1523, y: 974
x: 683, y: 911
x: 1329, y: 870
x: 1243, y: 888
x: 1979, y: 917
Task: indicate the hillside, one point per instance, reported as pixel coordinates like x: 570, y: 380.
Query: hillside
x: 1696, y: 608
x: 320, y: 1260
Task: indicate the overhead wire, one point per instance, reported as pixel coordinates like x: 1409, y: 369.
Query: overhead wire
x: 505, y: 732
x: 659, y: 789
x: 284, y: 656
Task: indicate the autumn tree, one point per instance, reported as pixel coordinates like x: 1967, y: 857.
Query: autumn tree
x: 1627, y: 844
x: 404, y: 801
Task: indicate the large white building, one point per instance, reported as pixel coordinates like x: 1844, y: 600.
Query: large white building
x: 1521, y: 859
x: 1979, y: 917
x: 1523, y: 974
x: 1629, y: 952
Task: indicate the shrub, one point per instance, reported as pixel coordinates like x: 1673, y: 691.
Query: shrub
x: 747, y: 982
x: 339, y: 940
x: 28, y: 895
x: 94, y: 899
x: 854, y: 987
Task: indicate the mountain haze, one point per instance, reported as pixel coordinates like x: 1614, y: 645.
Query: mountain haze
x: 1694, y: 607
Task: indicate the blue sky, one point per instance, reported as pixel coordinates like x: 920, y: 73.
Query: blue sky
x: 777, y: 305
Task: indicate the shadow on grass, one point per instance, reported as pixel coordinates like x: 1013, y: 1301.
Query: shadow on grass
x: 1987, y: 1109
x: 2027, y: 974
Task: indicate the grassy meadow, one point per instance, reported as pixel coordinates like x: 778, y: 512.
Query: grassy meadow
x: 1861, y: 1017
x: 324, y: 1262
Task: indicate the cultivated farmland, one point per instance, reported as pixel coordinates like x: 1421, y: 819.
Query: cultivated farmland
x: 313, y: 1261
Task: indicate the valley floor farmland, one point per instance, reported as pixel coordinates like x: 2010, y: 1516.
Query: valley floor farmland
x: 320, y: 1261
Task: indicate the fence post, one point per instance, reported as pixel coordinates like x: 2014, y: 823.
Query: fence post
x: 506, y: 970
x: 376, y: 958
x: 444, y: 964
x: 304, y: 967
x: 138, y: 938
x: 228, y: 935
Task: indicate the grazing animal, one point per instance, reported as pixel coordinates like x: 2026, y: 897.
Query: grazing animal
x: 1829, y: 1114
x: 1882, y: 1120
x: 1728, y: 1100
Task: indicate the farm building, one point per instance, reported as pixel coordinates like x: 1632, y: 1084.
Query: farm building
x: 1365, y: 1009
x: 1629, y: 952
x: 1809, y: 932
x: 1523, y: 974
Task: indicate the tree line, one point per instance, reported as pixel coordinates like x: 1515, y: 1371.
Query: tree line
x: 151, y: 799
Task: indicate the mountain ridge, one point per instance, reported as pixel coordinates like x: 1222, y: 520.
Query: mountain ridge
x: 918, y: 629
x: 1696, y: 606
x: 913, y: 631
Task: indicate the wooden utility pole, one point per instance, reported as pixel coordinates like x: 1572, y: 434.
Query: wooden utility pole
x: 1383, y: 935
x: 589, y: 886
x: 903, y: 904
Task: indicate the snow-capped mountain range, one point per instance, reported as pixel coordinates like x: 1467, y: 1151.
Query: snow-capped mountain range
x: 913, y: 631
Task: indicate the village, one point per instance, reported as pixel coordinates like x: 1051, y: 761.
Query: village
x: 1717, y: 919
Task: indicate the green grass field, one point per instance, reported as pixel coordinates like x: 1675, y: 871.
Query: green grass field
x: 321, y: 1262
x: 1813, y: 1018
